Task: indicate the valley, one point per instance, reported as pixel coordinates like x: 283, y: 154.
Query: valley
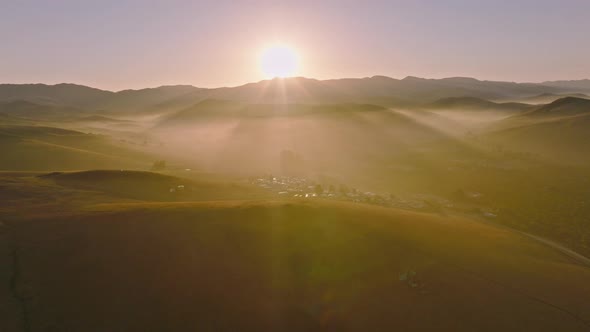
x: 274, y: 215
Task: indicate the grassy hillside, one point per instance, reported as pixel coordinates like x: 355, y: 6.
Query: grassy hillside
x: 49, y: 148
x: 27, y: 112
x: 564, y: 139
x: 557, y: 131
x: 237, y: 137
x: 223, y: 109
x: 299, y: 266
x: 151, y: 186
x: 47, y: 194
x: 568, y: 106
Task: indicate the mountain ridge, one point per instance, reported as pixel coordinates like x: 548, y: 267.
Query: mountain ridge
x: 379, y: 90
x: 384, y: 77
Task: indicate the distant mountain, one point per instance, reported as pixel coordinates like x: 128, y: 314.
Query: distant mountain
x: 144, y: 99
x: 59, y: 94
x: 79, y: 96
x: 471, y: 103
x: 25, y: 110
x: 572, y: 85
x: 22, y: 112
x: 546, y: 98
x: 433, y: 89
x: 378, y: 90
x: 568, y: 106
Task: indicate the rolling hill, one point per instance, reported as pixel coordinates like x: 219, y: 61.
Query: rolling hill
x: 250, y: 137
x: 471, y: 103
x: 50, y: 148
x: 378, y: 90
x: 146, y: 101
x: 289, y: 266
x: 567, y: 106
x: 150, y: 186
x: 72, y: 95
x: 558, y: 131
x: 546, y: 98
x: 214, y: 108
x: 102, y: 119
x: 29, y: 112
x: 562, y: 140
x: 572, y: 85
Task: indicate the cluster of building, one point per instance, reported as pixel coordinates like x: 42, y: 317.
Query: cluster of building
x: 296, y: 187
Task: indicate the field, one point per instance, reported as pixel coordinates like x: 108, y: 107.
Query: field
x: 256, y: 265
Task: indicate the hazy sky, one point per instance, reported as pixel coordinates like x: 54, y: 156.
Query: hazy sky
x: 118, y: 44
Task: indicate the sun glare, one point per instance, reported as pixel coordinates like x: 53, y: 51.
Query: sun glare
x: 279, y: 61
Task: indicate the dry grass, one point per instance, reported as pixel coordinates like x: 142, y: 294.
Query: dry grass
x: 291, y: 266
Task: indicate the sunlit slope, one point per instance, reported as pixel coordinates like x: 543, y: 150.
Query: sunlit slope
x: 29, y: 112
x: 546, y: 98
x: 559, y: 130
x: 568, y: 106
x: 48, y: 148
x: 237, y: 136
x: 299, y: 266
x: 564, y: 140
x: 27, y: 195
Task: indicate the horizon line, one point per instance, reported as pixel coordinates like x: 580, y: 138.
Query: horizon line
x: 296, y: 77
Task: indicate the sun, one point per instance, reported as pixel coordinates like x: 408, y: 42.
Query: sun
x: 279, y: 61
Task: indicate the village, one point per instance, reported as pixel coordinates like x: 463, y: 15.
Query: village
x: 297, y: 187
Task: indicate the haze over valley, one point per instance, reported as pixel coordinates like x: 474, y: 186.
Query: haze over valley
x: 293, y: 203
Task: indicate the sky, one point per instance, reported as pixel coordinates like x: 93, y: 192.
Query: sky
x: 123, y: 44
